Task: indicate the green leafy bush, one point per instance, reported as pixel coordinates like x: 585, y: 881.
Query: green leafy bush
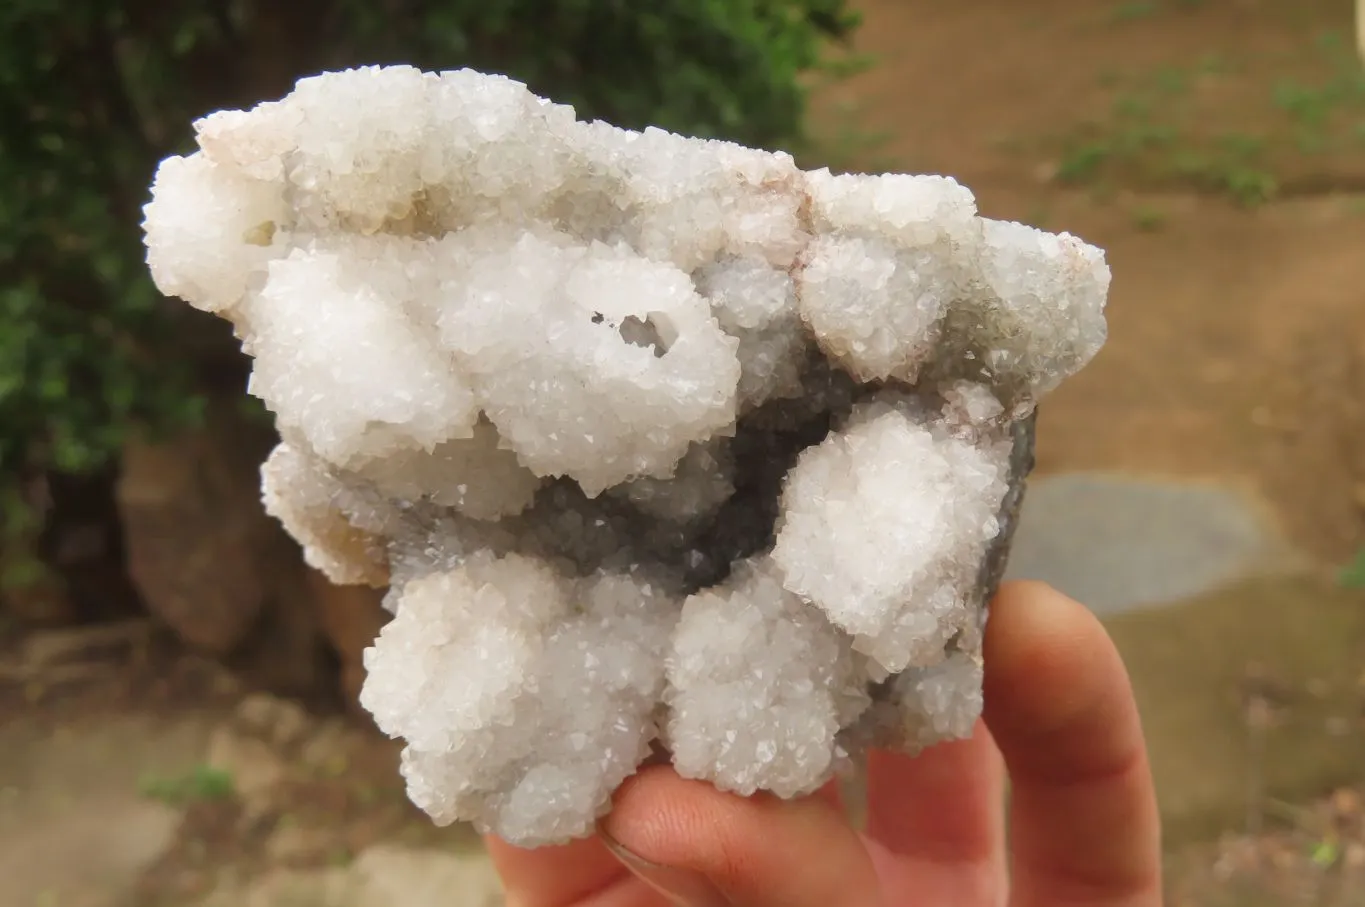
x: 93, y: 94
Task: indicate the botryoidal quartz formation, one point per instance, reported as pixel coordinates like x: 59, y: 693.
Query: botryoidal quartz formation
x: 661, y: 445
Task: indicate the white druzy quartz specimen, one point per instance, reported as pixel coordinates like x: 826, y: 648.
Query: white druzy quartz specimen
x: 663, y: 447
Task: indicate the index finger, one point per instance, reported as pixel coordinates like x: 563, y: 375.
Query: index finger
x: 1084, y: 822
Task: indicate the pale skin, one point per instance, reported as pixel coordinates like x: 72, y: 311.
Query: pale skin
x: 1060, y: 721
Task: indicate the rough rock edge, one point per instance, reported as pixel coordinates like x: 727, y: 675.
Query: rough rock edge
x: 1022, y: 461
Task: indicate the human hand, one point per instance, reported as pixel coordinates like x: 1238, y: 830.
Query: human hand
x: 1060, y: 718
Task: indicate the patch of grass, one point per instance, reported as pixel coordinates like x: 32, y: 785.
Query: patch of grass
x: 340, y: 857
x: 1334, y: 44
x: 1314, y: 108
x: 1306, y: 105
x: 1135, y: 138
x: 1131, y: 107
x: 1083, y: 162
x: 1241, y: 146
x: 1148, y: 218
x: 1243, y: 182
x: 1233, y: 168
x: 1171, y: 81
x: 1353, y: 575
x: 1157, y: 129
x: 1133, y: 10
x: 1249, y: 186
x: 203, y: 783
x: 1325, y: 853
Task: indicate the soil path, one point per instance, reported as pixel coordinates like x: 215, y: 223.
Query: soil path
x: 1215, y: 149
x: 1237, y: 334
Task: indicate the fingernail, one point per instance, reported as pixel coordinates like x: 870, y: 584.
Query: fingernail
x: 682, y: 887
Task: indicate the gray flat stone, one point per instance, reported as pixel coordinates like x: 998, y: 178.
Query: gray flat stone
x: 1117, y: 543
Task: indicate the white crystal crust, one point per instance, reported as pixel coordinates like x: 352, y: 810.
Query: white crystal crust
x: 661, y: 445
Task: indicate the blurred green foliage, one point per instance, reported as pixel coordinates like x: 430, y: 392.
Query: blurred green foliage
x: 93, y: 94
x: 203, y: 783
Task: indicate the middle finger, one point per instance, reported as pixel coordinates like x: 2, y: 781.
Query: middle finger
x: 940, y: 816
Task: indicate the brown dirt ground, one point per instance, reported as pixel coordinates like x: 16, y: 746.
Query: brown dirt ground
x: 1236, y: 332
x: 1216, y: 150
x: 352, y: 800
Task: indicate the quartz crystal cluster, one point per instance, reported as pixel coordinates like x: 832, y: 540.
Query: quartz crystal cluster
x: 662, y: 446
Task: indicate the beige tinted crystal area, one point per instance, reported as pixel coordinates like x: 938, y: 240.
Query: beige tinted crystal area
x: 661, y: 445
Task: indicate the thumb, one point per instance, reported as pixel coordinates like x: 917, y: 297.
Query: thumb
x: 701, y: 847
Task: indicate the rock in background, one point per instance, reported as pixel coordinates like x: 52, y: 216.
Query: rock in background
x: 351, y: 618
x: 222, y: 575
x: 198, y: 544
